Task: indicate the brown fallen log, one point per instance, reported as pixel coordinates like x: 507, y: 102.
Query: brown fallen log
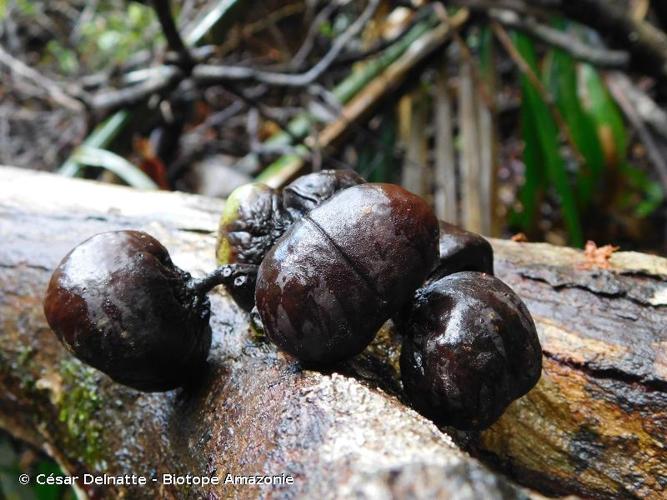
x: 256, y: 412
x: 595, y: 424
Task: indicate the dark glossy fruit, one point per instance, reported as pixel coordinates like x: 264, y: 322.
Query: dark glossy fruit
x: 119, y: 304
x: 310, y: 191
x: 255, y: 215
x: 337, y: 275
x: 470, y: 349
x: 462, y: 250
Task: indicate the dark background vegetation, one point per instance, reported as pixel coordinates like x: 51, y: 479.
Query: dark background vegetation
x: 544, y: 118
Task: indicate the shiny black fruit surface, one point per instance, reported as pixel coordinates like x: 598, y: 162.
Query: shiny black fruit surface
x: 337, y: 274
x: 462, y: 250
x: 119, y: 304
x: 470, y: 349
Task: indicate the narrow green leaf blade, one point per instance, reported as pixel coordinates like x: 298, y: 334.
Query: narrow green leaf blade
x: 548, y: 135
x: 132, y: 175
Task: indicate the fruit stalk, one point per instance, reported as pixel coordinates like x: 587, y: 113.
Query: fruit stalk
x: 238, y: 280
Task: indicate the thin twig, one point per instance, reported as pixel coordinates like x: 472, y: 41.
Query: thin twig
x: 263, y: 110
x: 365, y: 101
x: 261, y: 24
x: 52, y: 88
x: 654, y: 151
x: 212, y: 74
x: 381, y: 45
x: 646, y: 43
x: 171, y: 33
x: 161, y: 78
x: 649, y: 110
x: 164, y: 77
x: 308, y: 42
x: 108, y: 101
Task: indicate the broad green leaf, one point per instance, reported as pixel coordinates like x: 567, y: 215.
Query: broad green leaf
x: 613, y: 134
x: 561, y: 79
x: 101, y: 137
x: 606, y: 116
x: 548, y: 134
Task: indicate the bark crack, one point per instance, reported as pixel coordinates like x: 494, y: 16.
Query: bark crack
x: 614, y: 374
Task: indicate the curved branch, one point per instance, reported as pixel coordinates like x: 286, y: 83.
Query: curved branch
x: 210, y: 74
x: 171, y: 33
x: 158, y: 82
x: 54, y: 89
x: 164, y: 78
x: 646, y: 43
x: 601, y: 57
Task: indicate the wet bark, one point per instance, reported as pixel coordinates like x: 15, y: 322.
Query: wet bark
x: 596, y: 424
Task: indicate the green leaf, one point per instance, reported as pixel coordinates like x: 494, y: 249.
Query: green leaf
x: 326, y: 29
x: 102, y: 158
x: 606, y: 116
x: 66, y: 58
x: 561, y: 80
x: 651, y: 192
x: 532, y: 190
x: 101, y: 137
x: 548, y: 139
x: 486, y: 54
x: 135, y: 13
x: 51, y: 492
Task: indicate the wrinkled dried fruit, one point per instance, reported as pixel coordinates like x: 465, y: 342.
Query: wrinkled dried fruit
x: 337, y: 275
x: 251, y: 222
x: 119, y: 304
x: 255, y: 216
x: 470, y: 349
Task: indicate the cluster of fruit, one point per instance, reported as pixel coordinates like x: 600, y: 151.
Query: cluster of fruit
x: 324, y: 262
